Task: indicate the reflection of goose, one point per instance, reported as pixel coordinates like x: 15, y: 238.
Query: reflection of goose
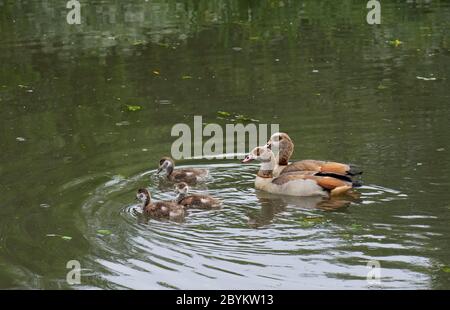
x: 159, y: 209
x: 188, y: 175
x: 194, y: 200
x: 272, y: 204
x: 306, y: 183
x: 312, y: 202
x: 282, y: 144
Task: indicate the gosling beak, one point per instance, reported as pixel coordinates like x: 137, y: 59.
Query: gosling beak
x: 247, y: 159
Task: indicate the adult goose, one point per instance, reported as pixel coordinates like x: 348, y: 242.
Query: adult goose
x: 304, y: 183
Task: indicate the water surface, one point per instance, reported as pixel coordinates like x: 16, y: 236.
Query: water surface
x: 72, y: 154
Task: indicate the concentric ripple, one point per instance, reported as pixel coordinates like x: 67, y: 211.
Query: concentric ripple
x: 255, y: 240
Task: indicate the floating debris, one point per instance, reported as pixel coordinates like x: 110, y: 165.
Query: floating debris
x: 60, y: 236
x: 133, y: 108
x: 223, y: 113
x: 426, y: 79
x: 237, y: 49
x: 21, y: 139
x: 396, y: 43
x: 104, y: 232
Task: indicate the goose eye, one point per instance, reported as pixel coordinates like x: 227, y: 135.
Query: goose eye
x: 258, y: 151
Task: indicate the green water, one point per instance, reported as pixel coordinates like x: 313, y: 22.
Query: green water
x: 72, y: 154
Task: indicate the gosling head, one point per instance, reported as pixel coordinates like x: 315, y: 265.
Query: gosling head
x: 181, y: 188
x: 143, y: 195
x: 167, y: 164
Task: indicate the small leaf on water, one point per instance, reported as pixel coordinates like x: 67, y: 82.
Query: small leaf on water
x: 66, y: 237
x: 156, y: 72
x: 51, y: 235
x: 186, y: 77
x: 104, y: 232
x: 382, y: 87
x: 446, y: 269
x: 355, y: 226
x: 241, y: 117
x: 396, y: 42
x: 134, y: 108
x: 223, y: 113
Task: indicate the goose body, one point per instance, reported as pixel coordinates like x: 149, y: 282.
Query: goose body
x: 159, y: 209
x: 282, y: 144
x: 187, y: 175
x: 304, y: 183
x: 194, y: 200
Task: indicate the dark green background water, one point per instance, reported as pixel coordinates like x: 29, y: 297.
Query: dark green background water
x: 72, y: 155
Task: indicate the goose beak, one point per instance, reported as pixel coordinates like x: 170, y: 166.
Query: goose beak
x: 159, y: 170
x: 269, y: 145
x: 248, y: 159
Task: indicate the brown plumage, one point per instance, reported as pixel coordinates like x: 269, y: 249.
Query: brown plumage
x: 194, y: 200
x: 159, y: 209
x: 333, y: 185
x: 188, y: 175
x: 281, y: 142
x: 298, y: 183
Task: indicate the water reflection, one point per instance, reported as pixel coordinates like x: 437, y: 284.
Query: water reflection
x: 73, y: 155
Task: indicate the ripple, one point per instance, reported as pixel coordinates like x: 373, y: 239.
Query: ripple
x: 255, y: 235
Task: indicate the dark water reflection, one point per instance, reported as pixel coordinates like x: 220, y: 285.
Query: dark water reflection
x: 72, y: 155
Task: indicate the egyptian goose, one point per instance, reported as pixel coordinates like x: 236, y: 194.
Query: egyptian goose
x: 159, y: 209
x: 188, y: 175
x: 194, y: 200
x: 305, y: 183
x: 282, y: 145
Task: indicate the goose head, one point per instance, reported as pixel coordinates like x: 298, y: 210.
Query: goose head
x: 143, y: 195
x: 262, y: 154
x: 167, y: 164
x: 181, y: 188
x: 281, y: 144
